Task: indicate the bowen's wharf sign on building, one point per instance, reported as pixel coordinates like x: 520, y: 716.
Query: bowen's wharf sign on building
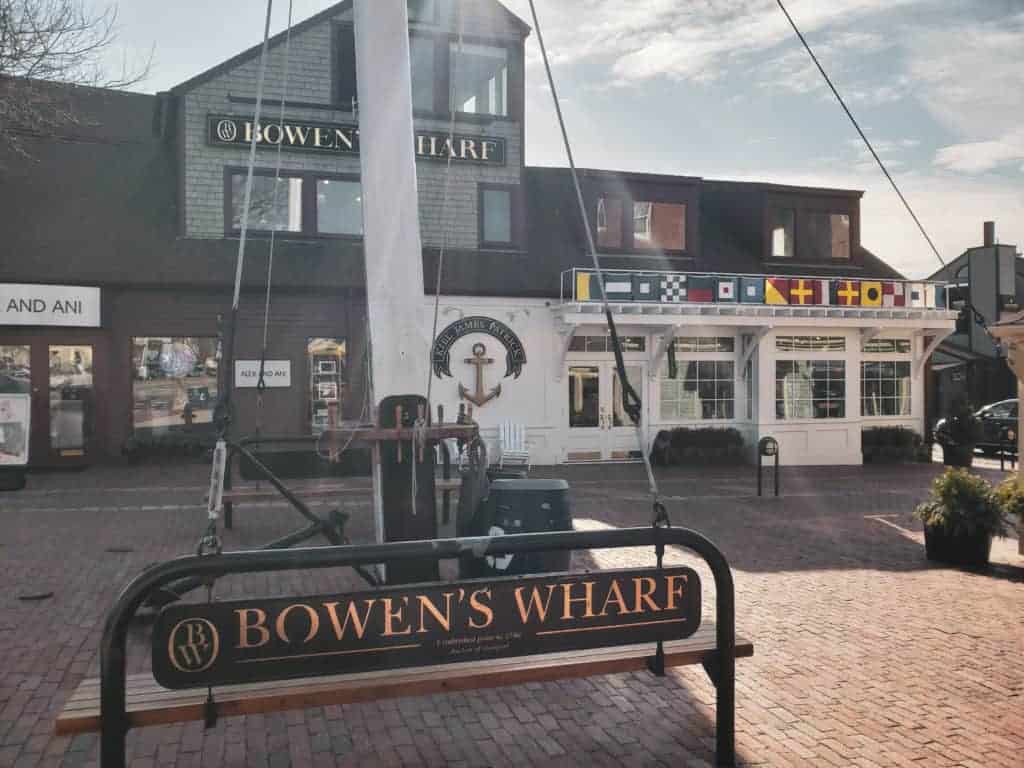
x: 278, y: 638
x: 230, y: 131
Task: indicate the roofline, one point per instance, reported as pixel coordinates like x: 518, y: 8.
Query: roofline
x: 302, y: 26
x: 606, y: 173
x: 769, y: 186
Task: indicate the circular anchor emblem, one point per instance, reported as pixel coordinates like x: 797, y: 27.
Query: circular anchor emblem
x: 193, y: 645
x: 227, y: 130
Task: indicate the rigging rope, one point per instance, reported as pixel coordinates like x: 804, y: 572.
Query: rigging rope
x: 631, y: 402
x: 261, y: 383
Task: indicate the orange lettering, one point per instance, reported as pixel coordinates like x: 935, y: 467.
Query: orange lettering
x: 643, y: 596
x: 614, y: 598
x: 282, y: 618
x: 445, y: 620
x: 350, y: 613
x: 483, y: 608
x: 396, y: 615
x: 535, y: 601
x: 587, y: 600
x: 245, y: 627
x: 675, y: 591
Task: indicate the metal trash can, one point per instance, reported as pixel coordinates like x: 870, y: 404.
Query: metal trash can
x: 520, y: 506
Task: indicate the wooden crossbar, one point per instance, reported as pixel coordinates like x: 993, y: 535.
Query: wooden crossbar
x: 323, y: 490
x: 150, y: 704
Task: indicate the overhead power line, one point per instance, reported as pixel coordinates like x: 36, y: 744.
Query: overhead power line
x: 856, y: 125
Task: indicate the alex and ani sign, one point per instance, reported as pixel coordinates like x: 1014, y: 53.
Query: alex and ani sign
x: 27, y: 304
x: 278, y: 638
x: 227, y: 130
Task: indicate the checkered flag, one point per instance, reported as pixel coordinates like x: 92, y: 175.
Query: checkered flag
x: 673, y: 289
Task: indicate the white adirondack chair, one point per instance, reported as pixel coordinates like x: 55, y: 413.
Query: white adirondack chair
x: 512, y: 445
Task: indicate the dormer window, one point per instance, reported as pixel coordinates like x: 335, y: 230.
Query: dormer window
x: 479, y: 75
x: 806, y: 233
x: 783, y: 232
x: 650, y: 226
x: 827, y: 234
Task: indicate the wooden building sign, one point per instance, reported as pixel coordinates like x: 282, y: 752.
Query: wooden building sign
x: 233, y: 131
x: 244, y: 641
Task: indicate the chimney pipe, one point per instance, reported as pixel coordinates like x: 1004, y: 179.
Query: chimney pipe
x: 990, y: 233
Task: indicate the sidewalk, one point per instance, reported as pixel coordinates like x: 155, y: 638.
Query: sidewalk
x: 865, y: 654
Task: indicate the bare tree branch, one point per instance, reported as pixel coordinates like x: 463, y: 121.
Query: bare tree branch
x: 57, y: 41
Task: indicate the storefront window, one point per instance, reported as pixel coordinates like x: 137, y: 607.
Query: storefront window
x: 479, y: 75
x: 888, y: 345
x: 810, y: 389
x: 810, y: 343
x: 15, y: 394
x: 604, y: 343
x: 276, y: 204
x: 71, y: 398
x: 326, y: 358
x: 15, y: 370
x: 885, y: 387
x: 702, y: 389
x: 339, y: 207
x: 174, y: 383
x: 705, y: 344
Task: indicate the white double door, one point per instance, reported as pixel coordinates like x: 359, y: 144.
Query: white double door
x: 597, y: 426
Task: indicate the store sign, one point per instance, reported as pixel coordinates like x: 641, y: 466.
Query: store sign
x: 15, y: 412
x: 27, y: 304
x: 276, y: 373
x: 226, y: 130
x: 242, y: 641
x: 515, y: 352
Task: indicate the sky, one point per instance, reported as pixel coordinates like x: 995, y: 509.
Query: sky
x: 722, y: 89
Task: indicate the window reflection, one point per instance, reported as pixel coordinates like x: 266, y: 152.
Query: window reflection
x: 479, y: 75
x: 174, y: 383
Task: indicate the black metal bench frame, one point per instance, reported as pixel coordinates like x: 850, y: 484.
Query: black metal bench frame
x: 721, y: 667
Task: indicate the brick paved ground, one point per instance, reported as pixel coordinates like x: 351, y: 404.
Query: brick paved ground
x: 864, y: 654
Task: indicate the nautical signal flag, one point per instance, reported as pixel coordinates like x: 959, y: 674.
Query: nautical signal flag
x: 673, y: 289
x: 645, y: 287
x: 752, y: 290
x: 893, y: 295
x: 618, y: 288
x: 700, y: 289
x: 776, y: 290
x: 916, y: 291
x: 845, y: 293
x: 806, y: 291
x: 586, y: 287
x: 727, y: 289
x: 871, y: 293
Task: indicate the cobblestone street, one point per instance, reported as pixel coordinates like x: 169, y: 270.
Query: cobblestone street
x: 864, y: 653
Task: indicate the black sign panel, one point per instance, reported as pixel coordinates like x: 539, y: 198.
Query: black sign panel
x: 343, y: 138
x: 278, y: 638
x: 440, y: 355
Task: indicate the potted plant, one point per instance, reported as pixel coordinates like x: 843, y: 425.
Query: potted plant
x: 960, y: 518
x: 958, y: 434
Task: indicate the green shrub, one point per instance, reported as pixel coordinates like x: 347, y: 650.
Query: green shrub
x: 890, y: 444
x: 1011, y: 497
x: 962, y: 504
x: 701, y: 445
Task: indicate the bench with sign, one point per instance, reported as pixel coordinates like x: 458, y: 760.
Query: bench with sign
x: 249, y: 656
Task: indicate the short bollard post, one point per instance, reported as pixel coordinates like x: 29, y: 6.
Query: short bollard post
x: 767, y: 446
x: 1006, y: 445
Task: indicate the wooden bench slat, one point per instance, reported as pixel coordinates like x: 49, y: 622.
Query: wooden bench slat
x: 150, y: 704
x: 318, y: 491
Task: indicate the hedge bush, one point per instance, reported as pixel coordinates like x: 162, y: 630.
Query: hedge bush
x: 890, y: 444
x: 702, y: 445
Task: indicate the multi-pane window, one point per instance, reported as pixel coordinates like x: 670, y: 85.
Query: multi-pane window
x: 783, y: 232
x: 702, y: 389
x: 496, y: 215
x: 705, y: 344
x: 659, y: 226
x: 326, y: 360
x: 826, y: 235
x: 810, y: 389
x: 275, y: 204
x: 810, y: 343
x: 174, y: 383
x: 479, y: 77
x: 885, y: 388
x: 887, y: 345
x: 421, y: 61
x: 604, y: 343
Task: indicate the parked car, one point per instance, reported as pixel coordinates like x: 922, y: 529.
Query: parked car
x: 997, y: 420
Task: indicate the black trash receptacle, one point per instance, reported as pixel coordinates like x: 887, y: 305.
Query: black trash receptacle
x: 520, y: 506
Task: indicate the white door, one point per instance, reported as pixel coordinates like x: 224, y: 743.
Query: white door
x: 598, y: 428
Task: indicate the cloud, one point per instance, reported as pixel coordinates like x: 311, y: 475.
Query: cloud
x: 980, y: 156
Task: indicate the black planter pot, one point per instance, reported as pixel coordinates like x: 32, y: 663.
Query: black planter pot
x: 958, y: 455
x: 961, y: 549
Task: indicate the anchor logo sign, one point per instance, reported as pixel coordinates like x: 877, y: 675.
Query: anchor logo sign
x: 479, y: 360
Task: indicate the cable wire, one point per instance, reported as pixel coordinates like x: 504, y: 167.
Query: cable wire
x: 856, y: 125
x: 631, y: 402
